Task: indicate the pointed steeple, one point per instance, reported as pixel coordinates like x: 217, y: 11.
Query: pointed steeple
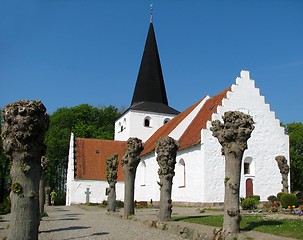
x: 150, y: 93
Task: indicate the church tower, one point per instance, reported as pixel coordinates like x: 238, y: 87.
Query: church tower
x: 149, y: 108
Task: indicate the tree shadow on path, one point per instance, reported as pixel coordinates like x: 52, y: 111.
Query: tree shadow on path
x: 65, y: 229
x: 253, y: 225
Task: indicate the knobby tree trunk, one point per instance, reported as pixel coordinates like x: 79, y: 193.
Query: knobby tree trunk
x: 284, y: 170
x: 47, y: 193
x: 42, y: 184
x: 130, y: 163
x: 166, y: 149
x: 23, y: 130
x: 232, y: 136
x: 111, y: 176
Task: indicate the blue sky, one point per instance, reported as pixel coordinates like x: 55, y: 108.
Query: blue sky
x: 68, y: 52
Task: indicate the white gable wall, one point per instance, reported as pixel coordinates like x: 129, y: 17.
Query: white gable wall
x: 267, y: 141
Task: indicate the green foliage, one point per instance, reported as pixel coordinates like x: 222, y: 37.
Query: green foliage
x: 295, y: 132
x: 289, y: 199
x: 5, y: 207
x: 17, y: 188
x: 250, y: 203
x: 272, y: 198
x: 60, y: 199
x: 119, y: 203
x: 84, y: 121
x: 279, y: 195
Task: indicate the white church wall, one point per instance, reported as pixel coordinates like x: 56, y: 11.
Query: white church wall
x: 146, y: 186
x: 97, y: 191
x: 192, y: 189
x: 137, y: 127
x: 267, y: 140
x: 188, y: 189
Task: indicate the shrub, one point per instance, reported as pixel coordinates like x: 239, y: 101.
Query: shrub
x: 288, y: 199
x: 6, y: 206
x: 279, y: 195
x: 249, y: 203
x: 272, y: 198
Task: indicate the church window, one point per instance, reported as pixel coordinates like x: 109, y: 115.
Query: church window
x: 166, y: 120
x: 181, y: 174
x: 248, y: 166
x: 147, y: 122
x: 143, y: 173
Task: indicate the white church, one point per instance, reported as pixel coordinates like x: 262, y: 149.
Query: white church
x: 199, y: 172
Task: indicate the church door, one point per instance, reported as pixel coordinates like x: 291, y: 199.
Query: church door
x: 249, y: 187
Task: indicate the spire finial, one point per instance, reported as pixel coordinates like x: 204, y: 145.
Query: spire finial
x: 151, y: 12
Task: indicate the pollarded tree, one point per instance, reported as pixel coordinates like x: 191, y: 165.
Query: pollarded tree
x: 166, y: 149
x: 111, y: 177
x: 232, y: 135
x: 284, y: 170
x: 23, y: 130
x: 130, y: 162
x: 44, y: 162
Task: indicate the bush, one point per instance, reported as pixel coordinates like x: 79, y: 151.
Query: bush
x: 250, y: 203
x: 288, y: 199
x: 279, y: 195
x: 272, y: 198
x: 60, y: 199
x: 5, y: 207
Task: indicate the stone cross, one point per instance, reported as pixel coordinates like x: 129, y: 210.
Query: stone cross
x: 87, y: 195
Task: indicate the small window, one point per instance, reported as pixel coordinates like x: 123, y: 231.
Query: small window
x: 246, y: 168
x: 147, y: 122
x: 166, y: 120
x: 97, y: 151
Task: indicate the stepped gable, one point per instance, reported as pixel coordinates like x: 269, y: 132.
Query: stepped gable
x: 149, y: 93
x: 166, y: 129
x: 192, y: 135
x: 91, y: 155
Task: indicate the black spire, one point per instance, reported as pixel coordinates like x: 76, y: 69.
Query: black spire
x: 150, y: 93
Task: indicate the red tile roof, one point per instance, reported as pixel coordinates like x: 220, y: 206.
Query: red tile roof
x: 166, y: 129
x: 91, y: 155
x: 192, y: 135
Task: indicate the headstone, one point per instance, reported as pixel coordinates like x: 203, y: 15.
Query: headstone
x: 87, y: 195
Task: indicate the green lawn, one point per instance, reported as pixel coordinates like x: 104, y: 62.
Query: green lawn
x: 284, y: 227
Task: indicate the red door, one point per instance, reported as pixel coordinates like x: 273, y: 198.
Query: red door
x: 249, y: 187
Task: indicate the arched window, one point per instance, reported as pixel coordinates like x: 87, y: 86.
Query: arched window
x: 248, y: 166
x: 180, y: 173
x: 166, y: 120
x: 147, y: 122
x: 143, y: 173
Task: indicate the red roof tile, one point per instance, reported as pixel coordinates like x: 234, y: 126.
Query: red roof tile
x: 91, y: 155
x: 166, y: 129
x: 192, y: 135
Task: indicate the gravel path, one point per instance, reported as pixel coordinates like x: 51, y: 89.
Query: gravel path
x: 82, y: 222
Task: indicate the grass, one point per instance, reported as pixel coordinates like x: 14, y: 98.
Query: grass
x: 283, y: 227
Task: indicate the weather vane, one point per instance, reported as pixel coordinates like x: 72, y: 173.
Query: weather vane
x: 151, y: 12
